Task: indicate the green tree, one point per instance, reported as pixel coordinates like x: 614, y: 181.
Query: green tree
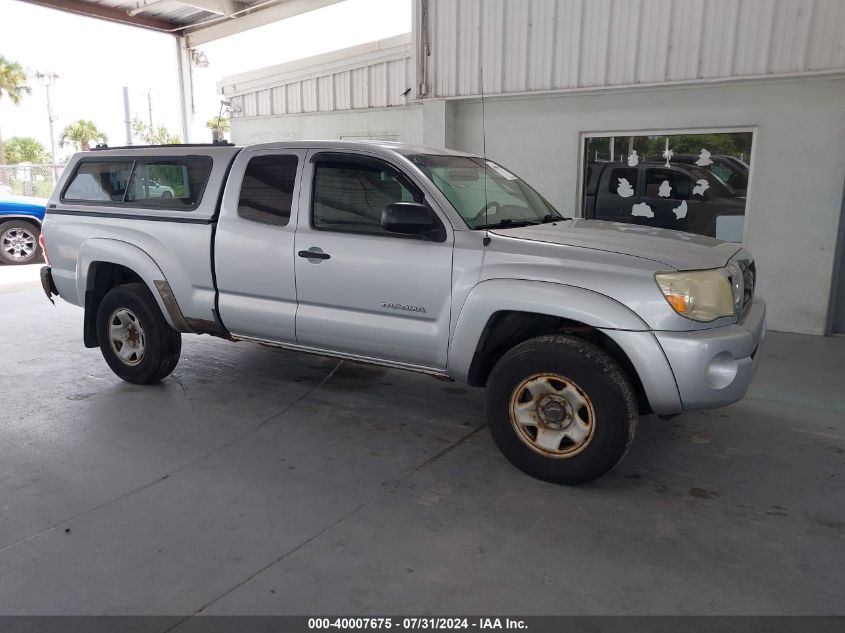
x: 13, y: 86
x: 731, y: 144
x: 81, y: 134
x: 22, y: 149
x: 152, y: 136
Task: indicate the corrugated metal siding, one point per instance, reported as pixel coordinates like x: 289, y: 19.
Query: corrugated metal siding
x: 374, y: 79
x: 530, y: 45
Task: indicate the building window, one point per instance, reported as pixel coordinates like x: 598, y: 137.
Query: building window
x: 267, y: 189
x: 695, y: 182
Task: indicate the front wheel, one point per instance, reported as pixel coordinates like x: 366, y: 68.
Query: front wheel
x: 561, y: 409
x: 136, y: 341
x: 19, y: 242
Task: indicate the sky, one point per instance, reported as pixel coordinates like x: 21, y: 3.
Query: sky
x: 96, y: 59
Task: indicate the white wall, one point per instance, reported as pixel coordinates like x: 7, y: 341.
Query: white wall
x: 530, y: 45
x: 797, y: 172
x: 404, y: 123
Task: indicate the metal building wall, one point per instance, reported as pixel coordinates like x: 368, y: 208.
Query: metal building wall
x: 536, y: 45
x: 370, y: 76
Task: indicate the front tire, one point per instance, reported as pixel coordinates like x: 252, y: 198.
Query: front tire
x: 19, y: 242
x: 137, y: 343
x: 561, y: 409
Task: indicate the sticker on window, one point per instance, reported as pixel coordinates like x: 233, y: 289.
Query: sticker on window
x: 504, y: 173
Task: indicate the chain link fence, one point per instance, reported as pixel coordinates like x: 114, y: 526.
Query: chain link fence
x: 30, y: 180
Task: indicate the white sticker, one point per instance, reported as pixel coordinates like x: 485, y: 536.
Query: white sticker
x: 504, y: 173
x: 701, y: 185
x: 681, y: 210
x: 642, y: 210
x: 704, y: 158
x: 625, y: 190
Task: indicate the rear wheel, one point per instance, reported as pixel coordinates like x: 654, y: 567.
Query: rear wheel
x: 136, y: 341
x: 19, y: 242
x: 561, y: 409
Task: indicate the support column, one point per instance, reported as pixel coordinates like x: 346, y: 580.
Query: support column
x: 186, y: 88
x: 438, y: 123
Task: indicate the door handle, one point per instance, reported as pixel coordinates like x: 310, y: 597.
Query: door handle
x: 314, y: 255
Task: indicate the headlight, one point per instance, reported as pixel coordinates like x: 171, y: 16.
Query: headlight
x: 736, y: 280
x: 700, y: 295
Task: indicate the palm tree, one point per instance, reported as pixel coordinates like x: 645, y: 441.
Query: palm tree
x: 13, y: 86
x: 80, y: 134
x: 22, y: 149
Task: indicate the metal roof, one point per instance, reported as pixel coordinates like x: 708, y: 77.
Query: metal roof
x: 216, y: 18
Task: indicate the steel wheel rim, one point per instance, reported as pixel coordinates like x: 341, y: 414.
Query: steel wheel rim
x: 552, y: 415
x: 18, y: 243
x: 126, y: 336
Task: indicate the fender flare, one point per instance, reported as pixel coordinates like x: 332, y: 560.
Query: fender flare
x: 112, y: 251
x: 18, y: 216
x: 591, y: 308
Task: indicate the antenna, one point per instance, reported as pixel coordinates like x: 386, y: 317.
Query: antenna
x: 486, y: 241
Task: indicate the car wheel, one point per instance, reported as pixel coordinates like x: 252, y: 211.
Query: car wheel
x: 561, y: 409
x: 136, y: 341
x: 166, y: 194
x: 19, y: 242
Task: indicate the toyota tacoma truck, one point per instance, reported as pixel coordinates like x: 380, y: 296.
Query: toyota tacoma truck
x: 426, y: 260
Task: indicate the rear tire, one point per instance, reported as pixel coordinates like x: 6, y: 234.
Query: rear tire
x: 137, y: 343
x: 561, y: 409
x: 19, y: 242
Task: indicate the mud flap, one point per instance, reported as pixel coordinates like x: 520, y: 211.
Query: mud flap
x: 89, y: 324
x: 47, y: 283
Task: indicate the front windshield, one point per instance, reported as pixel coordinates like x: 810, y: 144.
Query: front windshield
x: 507, y: 201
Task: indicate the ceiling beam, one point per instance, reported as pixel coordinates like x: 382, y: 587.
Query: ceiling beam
x: 80, y: 7
x: 218, y: 28
x: 220, y: 7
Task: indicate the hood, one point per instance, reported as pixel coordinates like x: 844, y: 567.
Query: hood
x: 7, y: 196
x: 673, y: 249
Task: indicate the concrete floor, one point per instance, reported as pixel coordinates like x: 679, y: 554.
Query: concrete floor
x: 255, y: 481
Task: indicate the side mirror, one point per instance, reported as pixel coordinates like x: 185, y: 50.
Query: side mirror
x: 410, y: 218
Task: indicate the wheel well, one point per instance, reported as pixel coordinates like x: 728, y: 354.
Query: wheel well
x: 22, y: 219
x: 102, y: 277
x: 507, y: 329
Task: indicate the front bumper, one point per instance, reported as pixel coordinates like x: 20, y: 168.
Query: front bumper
x: 714, y: 368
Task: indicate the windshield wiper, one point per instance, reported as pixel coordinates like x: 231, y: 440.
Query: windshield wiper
x: 507, y: 222
x: 553, y: 217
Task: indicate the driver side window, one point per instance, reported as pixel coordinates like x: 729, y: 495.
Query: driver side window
x: 349, y: 197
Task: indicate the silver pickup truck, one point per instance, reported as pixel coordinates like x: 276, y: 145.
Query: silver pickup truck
x: 427, y: 260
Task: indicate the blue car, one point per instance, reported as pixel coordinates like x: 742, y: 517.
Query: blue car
x: 20, y: 227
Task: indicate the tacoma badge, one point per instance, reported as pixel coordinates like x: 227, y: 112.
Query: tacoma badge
x: 402, y: 306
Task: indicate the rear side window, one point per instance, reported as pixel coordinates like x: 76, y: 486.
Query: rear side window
x: 99, y: 181
x: 169, y: 183
x: 175, y: 183
x: 267, y: 189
